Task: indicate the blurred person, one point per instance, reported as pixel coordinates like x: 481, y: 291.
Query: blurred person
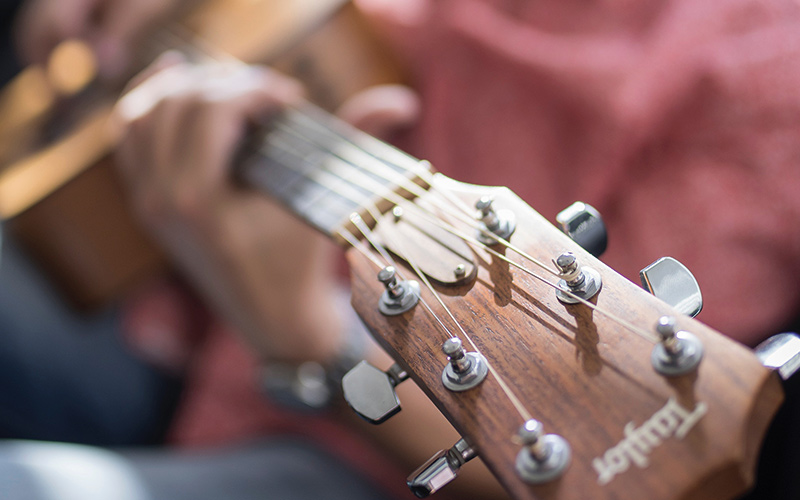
x: 676, y: 128
x: 674, y: 119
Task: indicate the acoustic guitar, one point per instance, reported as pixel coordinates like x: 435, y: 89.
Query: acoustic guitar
x: 569, y: 381
x: 567, y: 389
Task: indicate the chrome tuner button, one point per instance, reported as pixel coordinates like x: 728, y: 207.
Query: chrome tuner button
x: 464, y: 370
x: 672, y: 282
x: 576, y: 281
x: 678, y: 353
x: 501, y: 223
x: 582, y: 222
x: 442, y: 468
x: 542, y: 458
x: 370, y: 391
x: 399, y: 296
x: 781, y: 353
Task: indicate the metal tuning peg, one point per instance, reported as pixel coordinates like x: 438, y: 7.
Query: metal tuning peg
x: 576, y: 281
x: 780, y: 352
x: 672, y: 282
x: 501, y: 223
x: 399, y: 296
x: 542, y: 457
x: 440, y: 469
x: 370, y: 391
x: 582, y: 222
x: 464, y: 370
x: 678, y: 353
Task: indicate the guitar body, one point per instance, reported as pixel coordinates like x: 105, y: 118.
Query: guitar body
x: 62, y: 201
x: 582, y: 374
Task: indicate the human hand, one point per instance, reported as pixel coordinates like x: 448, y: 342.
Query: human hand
x: 267, y: 273
x: 270, y: 274
x: 110, y: 27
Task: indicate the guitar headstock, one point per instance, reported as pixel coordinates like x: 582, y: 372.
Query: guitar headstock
x: 583, y: 370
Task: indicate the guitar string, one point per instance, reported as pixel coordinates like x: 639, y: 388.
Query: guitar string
x: 355, y: 218
x: 190, y: 41
x: 367, y: 233
x: 347, y: 235
x: 326, y: 178
x: 388, y: 195
x: 515, y: 401
x: 359, y: 245
x: 403, y: 181
x: 407, y: 184
x: 358, y: 222
x: 322, y: 175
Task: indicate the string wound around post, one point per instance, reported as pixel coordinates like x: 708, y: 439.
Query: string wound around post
x: 399, y: 296
x: 678, y: 353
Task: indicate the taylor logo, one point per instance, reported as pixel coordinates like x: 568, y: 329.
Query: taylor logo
x: 671, y: 420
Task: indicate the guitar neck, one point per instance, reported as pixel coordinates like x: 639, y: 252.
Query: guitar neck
x: 324, y: 170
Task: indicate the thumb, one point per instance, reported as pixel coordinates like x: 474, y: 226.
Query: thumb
x: 382, y: 110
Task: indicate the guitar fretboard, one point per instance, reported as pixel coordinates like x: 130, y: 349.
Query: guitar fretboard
x: 322, y: 169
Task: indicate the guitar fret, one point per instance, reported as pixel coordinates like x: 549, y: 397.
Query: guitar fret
x: 317, y: 167
x: 313, y: 118
x: 324, y: 169
x: 346, y: 172
x: 341, y: 147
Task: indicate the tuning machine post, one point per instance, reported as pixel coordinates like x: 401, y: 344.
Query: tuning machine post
x: 678, y: 353
x: 577, y: 282
x: 370, y: 391
x: 501, y: 223
x: 543, y: 457
x: 399, y: 296
x: 464, y: 370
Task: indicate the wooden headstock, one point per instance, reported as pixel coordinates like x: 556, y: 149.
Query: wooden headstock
x: 578, y: 370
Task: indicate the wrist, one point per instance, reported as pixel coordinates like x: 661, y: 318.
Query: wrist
x: 314, y: 385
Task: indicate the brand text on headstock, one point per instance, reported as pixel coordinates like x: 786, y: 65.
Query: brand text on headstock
x: 671, y: 420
